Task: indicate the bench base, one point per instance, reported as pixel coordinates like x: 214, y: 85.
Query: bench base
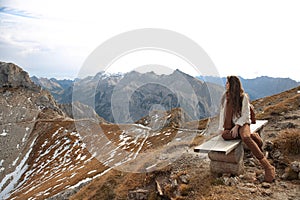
x: 218, y: 168
x: 231, y: 163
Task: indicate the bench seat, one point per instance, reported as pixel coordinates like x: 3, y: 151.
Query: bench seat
x: 218, y: 144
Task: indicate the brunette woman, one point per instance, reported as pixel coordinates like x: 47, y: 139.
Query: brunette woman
x: 235, y: 122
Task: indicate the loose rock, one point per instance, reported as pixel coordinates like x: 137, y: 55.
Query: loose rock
x: 266, y: 185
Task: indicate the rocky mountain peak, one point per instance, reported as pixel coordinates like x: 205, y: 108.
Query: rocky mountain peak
x: 17, y: 89
x: 13, y: 76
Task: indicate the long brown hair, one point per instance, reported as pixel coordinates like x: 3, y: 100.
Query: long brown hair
x: 235, y: 94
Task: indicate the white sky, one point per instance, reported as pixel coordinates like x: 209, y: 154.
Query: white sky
x: 52, y: 38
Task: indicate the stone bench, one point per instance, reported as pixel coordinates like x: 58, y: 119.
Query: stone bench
x: 227, y: 156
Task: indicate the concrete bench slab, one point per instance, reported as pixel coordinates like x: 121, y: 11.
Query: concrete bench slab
x: 218, y: 144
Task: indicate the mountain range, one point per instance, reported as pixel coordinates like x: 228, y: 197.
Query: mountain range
x: 125, y: 98
x: 256, y: 88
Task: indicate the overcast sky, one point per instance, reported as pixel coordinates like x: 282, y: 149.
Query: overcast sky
x: 52, y: 38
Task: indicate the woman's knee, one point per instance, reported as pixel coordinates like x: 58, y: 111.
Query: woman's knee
x: 226, y: 135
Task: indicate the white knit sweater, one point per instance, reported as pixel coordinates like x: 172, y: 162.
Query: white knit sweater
x: 240, y: 120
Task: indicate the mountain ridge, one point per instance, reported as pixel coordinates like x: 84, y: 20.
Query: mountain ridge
x: 105, y: 93
x: 258, y: 87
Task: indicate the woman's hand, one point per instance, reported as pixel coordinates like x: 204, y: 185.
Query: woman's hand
x: 235, y: 131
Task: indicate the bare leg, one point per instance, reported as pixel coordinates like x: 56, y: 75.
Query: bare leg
x: 246, y: 138
x: 257, y: 139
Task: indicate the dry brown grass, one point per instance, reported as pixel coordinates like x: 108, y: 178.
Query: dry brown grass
x: 197, y: 124
x: 225, y: 193
x: 103, y: 188
x: 281, y: 107
x: 288, y: 141
x: 116, y: 185
x: 199, y: 139
x: 277, y: 104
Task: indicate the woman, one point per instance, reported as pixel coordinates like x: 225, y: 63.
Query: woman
x: 235, y: 122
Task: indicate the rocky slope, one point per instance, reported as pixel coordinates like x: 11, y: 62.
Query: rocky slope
x: 56, y: 87
x: 80, y: 110
x: 39, y: 146
x: 22, y: 104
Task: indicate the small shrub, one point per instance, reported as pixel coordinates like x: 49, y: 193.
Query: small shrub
x: 288, y: 141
